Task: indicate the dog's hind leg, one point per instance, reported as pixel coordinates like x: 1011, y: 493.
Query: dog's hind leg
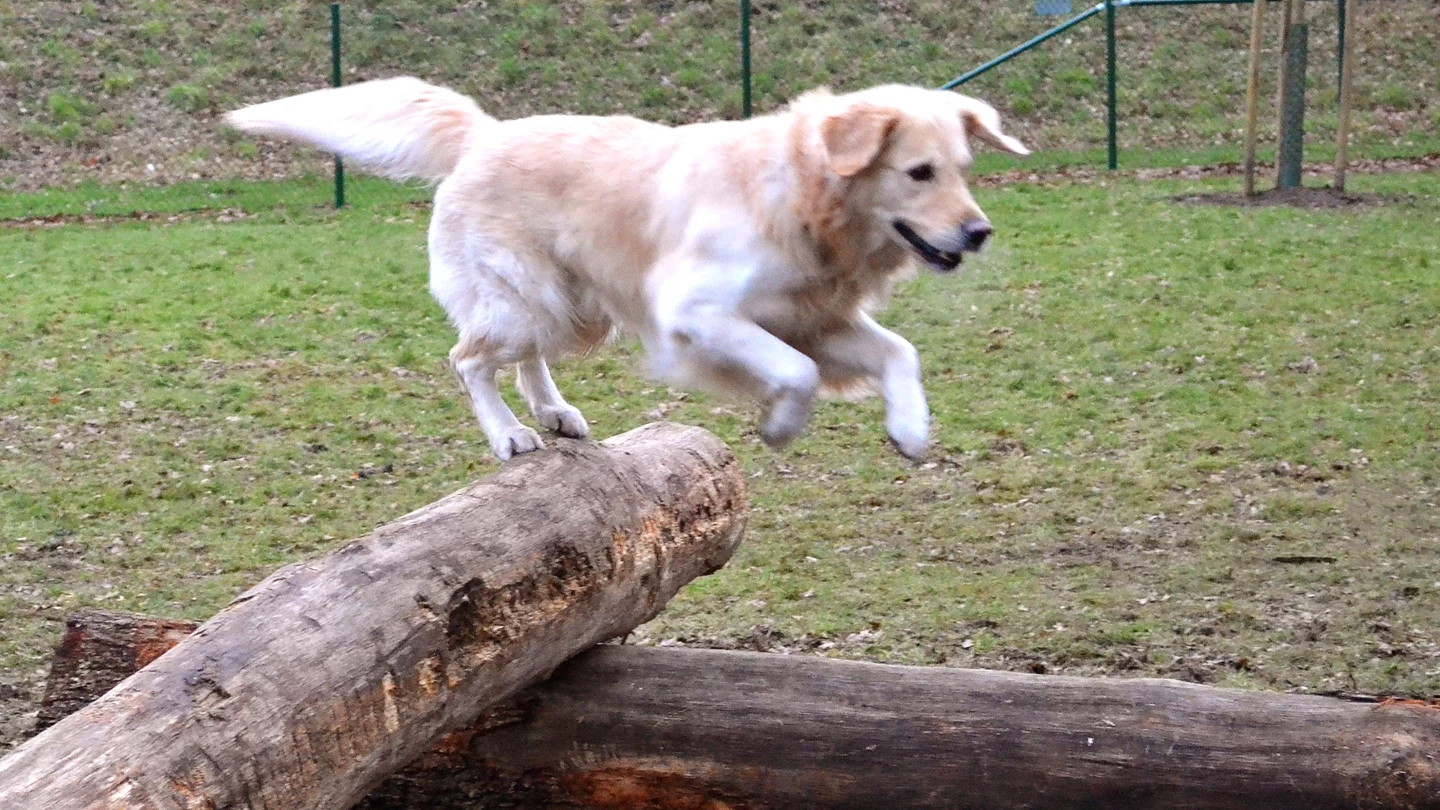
x: 550, y: 409
x: 475, y: 362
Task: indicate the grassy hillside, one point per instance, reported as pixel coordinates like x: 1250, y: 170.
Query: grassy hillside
x: 111, y: 91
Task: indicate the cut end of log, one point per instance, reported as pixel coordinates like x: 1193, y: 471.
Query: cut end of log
x: 97, y: 647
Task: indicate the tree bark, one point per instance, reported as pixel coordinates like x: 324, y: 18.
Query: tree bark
x: 316, y: 684
x: 673, y: 729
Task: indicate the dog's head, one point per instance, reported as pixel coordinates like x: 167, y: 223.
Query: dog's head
x: 903, y: 154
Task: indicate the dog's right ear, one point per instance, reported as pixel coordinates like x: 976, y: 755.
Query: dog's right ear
x: 983, y: 122
x: 855, y: 137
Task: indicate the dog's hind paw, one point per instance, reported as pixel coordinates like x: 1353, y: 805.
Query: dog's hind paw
x: 565, y: 420
x: 516, y: 440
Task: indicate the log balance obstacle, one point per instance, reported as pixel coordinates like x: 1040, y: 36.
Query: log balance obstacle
x: 331, y: 674
x: 685, y: 729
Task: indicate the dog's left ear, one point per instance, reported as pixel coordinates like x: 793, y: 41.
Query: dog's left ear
x: 856, y: 137
x: 981, y: 121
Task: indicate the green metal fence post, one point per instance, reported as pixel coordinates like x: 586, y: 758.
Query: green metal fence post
x: 1292, y: 110
x: 745, y: 55
x: 335, y: 80
x: 1110, y: 82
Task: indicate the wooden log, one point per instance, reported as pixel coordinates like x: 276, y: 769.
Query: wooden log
x: 328, y: 676
x: 1252, y: 93
x: 1347, y: 83
x: 621, y: 727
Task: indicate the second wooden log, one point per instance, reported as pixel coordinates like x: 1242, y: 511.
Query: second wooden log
x: 627, y: 727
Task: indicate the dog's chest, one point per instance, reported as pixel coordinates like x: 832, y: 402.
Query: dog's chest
x: 793, y: 291
x: 809, y: 306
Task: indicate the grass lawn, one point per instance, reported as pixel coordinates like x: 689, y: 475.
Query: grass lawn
x: 1171, y: 439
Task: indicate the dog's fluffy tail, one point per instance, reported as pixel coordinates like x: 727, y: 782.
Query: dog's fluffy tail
x: 397, y: 128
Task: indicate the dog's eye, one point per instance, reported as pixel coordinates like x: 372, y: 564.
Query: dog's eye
x: 922, y: 173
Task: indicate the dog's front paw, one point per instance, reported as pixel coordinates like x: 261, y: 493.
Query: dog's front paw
x: 563, y: 419
x: 516, y: 440
x: 912, y: 448
x: 911, y: 439
x: 786, y: 420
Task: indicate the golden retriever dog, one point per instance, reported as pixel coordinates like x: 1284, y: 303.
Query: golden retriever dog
x: 745, y: 255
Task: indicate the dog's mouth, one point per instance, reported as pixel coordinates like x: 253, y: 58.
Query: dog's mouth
x: 942, y: 260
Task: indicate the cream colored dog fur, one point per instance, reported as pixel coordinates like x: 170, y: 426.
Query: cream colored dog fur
x: 744, y: 254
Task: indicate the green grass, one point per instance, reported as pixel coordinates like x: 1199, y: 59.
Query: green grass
x: 1128, y: 435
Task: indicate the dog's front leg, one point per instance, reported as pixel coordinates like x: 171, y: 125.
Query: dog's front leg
x: 867, y: 349
x: 729, y: 343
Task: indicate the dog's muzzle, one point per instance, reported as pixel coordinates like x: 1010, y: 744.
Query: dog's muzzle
x: 947, y: 256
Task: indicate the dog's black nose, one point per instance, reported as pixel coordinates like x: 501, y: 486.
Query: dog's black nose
x: 975, y: 232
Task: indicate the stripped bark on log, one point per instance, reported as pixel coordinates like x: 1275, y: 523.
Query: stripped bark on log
x: 331, y: 674
x: 680, y: 729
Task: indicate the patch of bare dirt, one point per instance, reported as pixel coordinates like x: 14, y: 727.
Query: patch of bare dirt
x: 18, y: 704
x: 220, y: 216
x: 1312, y: 171
x: 1314, y: 199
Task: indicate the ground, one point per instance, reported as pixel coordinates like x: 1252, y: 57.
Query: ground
x: 1176, y: 439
